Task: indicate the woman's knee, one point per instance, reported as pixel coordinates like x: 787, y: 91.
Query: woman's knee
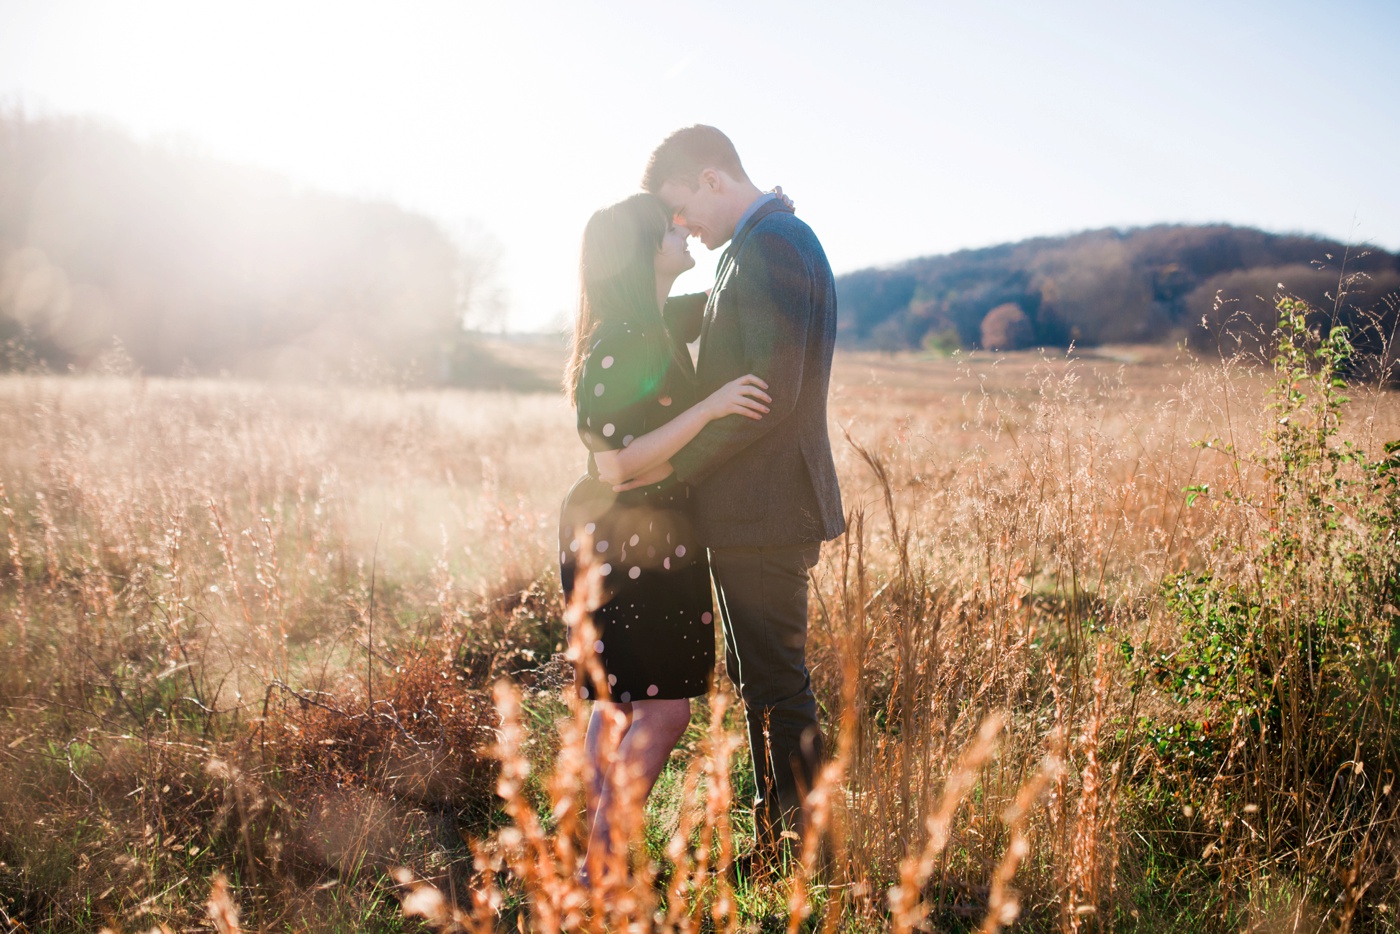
x: 609, y: 717
x: 668, y: 717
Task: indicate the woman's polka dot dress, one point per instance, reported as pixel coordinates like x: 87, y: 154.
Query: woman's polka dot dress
x: 654, y: 621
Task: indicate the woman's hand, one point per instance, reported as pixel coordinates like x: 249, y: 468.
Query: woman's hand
x: 641, y: 463
x: 743, y: 396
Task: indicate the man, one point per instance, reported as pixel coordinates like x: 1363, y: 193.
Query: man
x: 766, y: 490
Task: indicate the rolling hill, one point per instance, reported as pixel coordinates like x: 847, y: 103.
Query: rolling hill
x: 1148, y: 284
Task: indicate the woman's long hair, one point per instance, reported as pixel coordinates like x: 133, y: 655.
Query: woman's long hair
x: 617, y: 274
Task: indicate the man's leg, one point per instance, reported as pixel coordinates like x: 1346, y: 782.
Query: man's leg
x: 763, y: 605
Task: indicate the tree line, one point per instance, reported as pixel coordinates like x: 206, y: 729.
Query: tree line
x: 1208, y: 286
x: 175, y: 262
x: 182, y: 263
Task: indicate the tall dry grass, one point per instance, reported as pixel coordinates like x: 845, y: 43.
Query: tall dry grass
x: 300, y: 636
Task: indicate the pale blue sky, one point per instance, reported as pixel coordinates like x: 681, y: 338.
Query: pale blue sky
x: 901, y: 128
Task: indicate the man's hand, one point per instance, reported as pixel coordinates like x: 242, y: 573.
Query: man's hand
x: 654, y: 475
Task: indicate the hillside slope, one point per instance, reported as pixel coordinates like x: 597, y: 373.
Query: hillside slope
x: 1106, y: 286
x: 189, y: 264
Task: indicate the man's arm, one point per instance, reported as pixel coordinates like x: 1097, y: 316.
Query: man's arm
x: 743, y: 396
x: 774, y: 299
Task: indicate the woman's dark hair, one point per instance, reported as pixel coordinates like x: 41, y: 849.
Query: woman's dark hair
x: 617, y: 273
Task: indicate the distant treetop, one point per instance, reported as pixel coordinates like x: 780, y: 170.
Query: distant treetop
x: 1149, y: 284
x: 192, y: 265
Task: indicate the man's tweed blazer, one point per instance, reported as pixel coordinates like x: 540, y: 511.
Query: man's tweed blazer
x: 772, y: 312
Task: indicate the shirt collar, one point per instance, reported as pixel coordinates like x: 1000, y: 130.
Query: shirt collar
x: 748, y: 214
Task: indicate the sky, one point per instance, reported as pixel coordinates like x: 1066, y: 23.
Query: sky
x: 900, y: 129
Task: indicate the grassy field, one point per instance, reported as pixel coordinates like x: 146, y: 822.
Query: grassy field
x: 1110, y: 645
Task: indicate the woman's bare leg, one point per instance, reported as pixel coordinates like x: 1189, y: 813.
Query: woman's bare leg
x: 656, y: 727
x: 606, y: 727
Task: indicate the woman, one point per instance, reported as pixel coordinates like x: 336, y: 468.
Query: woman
x: 641, y: 574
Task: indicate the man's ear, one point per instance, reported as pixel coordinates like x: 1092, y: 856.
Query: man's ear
x: 711, y: 180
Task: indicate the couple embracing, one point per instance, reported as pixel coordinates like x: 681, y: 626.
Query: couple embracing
x: 715, y: 473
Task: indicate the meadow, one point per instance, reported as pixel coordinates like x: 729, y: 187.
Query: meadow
x: 1110, y: 645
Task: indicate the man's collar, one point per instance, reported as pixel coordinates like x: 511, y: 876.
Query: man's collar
x: 751, y: 210
x: 761, y: 208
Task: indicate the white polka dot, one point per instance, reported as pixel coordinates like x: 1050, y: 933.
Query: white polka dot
x: 626, y: 696
x: 680, y: 551
x: 607, y: 363
x: 605, y: 570
x: 612, y: 680
x: 609, y: 429
x: 573, y: 545
x: 563, y: 556
x: 634, y: 539
x: 634, y: 573
x: 590, y: 528
x: 666, y: 563
x: 602, y: 546
x: 598, y: 646
x: 626, y: 440
x: 598, y: 389
x: 653, y: 690
x: 665, y: 400
x: 707, y: 618
x: 583, y: 693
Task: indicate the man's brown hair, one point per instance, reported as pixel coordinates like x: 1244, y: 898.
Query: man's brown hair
x: 686, y: 153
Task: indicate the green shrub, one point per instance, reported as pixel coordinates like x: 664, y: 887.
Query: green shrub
x: 1285, y: 672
